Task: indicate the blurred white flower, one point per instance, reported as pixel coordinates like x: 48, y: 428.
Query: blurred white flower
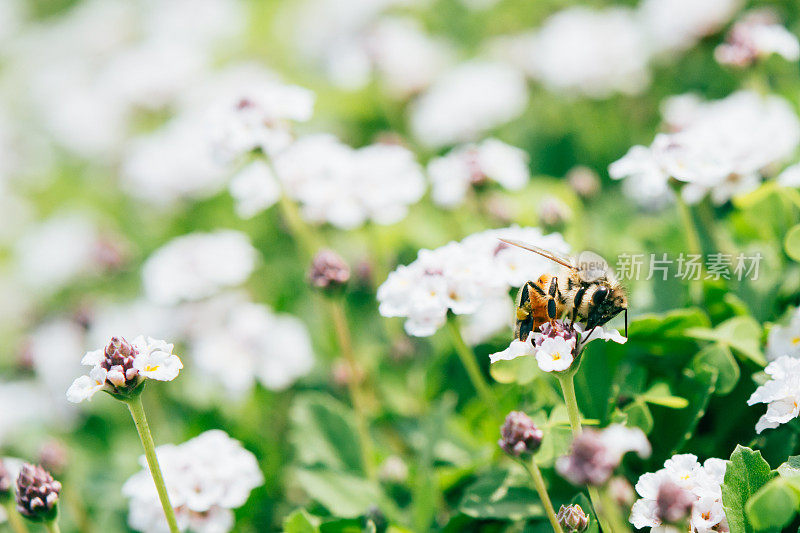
x: 701, y: 481
x: 334, y: 34
x: 127, y: 319
x: 756, y: 35
x: 468, y: 101
x: 493, y: 316
x: 72, y: 238
x: 406, y: 58
x: 720, y: 147
x: 206, y: 477
x: 781, y: 393
x: 675, y: 25
x: 334, y: 183
x: 121, y: 366
x: 51, y: 348
x: 88, y: 70
x: 463, y: 277
x: 173, y: 163
x: 198, y: 265
x: 254, y: 188
x: 591, y: 52
x: 32, y: 407
x: 257, y: 116
x: 254, y: 344
x: 453, y: 174
x: 790, y: 177
x: 785, y: 339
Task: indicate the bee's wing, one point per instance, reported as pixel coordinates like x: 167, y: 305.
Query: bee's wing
x: 562, y: 260
x: 593, y: 267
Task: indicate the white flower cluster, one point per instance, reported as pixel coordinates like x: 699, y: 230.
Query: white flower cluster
x: 206, y: 477
x: 555, y: 353
x: 590, y: 52
x: 452, y: 175
x: 781, y: 393
x: 89, y: 70
x: 702, y: 481
x: 230, y: 114
x: 468, y: 101
x: 345, y: 187
x: 464, y: 276
x: 722, y: 147
x: 351, y: 39
x: 151, y: 359
x: 757, y: 35
x: 257, y: 116
x: 785, y: 339
x: 72, y: 237
x: 198, y: 265
x: 599, y: 52
x: 252, y: 343
x: 674, y: 25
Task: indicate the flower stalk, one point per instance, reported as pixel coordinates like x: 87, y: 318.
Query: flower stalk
x: 541, y: 488
x: 139, y: 418
x: 692, y: 241
x: 470, y: 363
x: 567, y: 380
x: 354, y: 389
x: 14, y: 519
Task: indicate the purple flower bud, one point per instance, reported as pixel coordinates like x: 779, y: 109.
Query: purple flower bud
x: 557, y: 328
x: 328, y: 271
x: 584, y: 181
x: 519, y: 434
x: 673, y: 503
x: 572, y: 518
x: 119, y: 357
x: 37, y: 493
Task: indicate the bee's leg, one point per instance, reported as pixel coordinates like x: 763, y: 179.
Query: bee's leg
x: 524, y: 320
x: 551, y: 301
x: 576, y: 304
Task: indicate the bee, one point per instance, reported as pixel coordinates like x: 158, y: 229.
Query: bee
x: 585, y: 289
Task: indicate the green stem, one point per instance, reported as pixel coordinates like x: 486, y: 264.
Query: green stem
x: 693, y: 242
x: 139, y: 418
x: 611, y: 513
x: 345, y: 341
x: 467, y: 357
x: 52, y: 526
x: 14, y: 519
x: 541, y: 488
x: 570, y: 399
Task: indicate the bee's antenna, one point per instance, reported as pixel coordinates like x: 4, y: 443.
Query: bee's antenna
x: 626, y: 322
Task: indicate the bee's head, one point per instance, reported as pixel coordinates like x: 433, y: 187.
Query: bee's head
x: 607, y: 302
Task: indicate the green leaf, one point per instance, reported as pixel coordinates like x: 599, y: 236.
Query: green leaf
x: 659, y: 394
x: 300, y: 522
x: 741, y: 333
x: 323, y: 432
x: 342, y: 494
x: 792, y: 243
x: 747, y: 472
x: 638, y: 415
x: 501, y: 495
x: 773, y: 506
x: 719, y: 357
x: 668, y: 325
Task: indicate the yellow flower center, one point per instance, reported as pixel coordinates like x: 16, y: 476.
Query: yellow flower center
x: 152, y: 368
x: 796, y: 340
x: 556, y: 356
